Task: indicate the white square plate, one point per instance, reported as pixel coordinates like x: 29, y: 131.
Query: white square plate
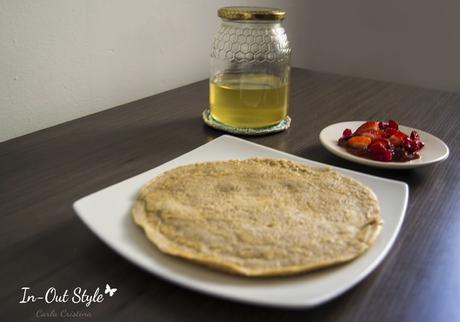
x: 107, y: 214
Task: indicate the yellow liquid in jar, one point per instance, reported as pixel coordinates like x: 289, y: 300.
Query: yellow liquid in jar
x: 248, y: 100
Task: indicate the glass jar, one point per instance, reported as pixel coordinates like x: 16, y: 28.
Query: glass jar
x: 250, y: 71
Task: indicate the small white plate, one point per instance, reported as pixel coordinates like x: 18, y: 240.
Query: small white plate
x: 107, y: 214
x: 435, y: 150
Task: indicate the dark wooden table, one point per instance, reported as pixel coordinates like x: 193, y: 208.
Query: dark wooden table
x: 43, y: 244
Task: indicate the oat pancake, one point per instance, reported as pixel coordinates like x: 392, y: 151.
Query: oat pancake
x: 258, y: 217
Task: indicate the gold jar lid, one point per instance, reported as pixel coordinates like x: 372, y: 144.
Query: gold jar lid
x: 251, y: 13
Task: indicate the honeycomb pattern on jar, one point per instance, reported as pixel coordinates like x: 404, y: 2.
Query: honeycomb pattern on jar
x: 250, y: 45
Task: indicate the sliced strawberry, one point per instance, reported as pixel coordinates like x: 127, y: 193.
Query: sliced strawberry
x: 382, y: 141
x: 379, y: 152
x: 397, y: 138
x: 359, y: 142
x: 374, y: 134
x: 367, y: 126
x: 389, y: 131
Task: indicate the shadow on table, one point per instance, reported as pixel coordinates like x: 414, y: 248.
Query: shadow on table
x: 413, y: 177
x: 172, y: 303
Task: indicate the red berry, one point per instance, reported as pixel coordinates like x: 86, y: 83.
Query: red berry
x: 397, y: 153
x: 347, y: 133
x: 409, y: 145
x: 414, y: 136
x: 418, y: 145
x: 383, y: 125
x: 379, y: 152
x: 393, y: 124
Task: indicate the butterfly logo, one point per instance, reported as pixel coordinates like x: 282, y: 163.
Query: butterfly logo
x: 109, y: 290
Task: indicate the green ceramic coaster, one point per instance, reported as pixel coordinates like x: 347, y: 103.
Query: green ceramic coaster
x: 210, y: 121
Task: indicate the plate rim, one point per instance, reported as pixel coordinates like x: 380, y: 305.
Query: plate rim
x: 379, y: 164
x: 188, y: 284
